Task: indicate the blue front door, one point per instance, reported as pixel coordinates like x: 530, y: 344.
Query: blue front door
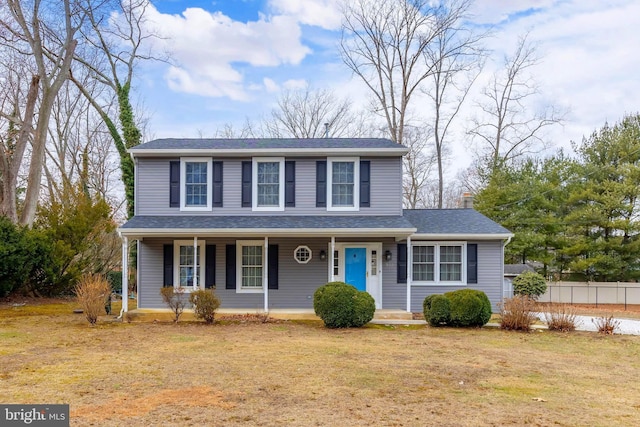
x: 355, y: 267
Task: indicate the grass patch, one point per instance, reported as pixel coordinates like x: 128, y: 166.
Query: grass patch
x: 248, y: 372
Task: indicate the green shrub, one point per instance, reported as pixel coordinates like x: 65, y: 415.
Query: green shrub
x: 530, y: 284
x: 469, y: 307
x: 15, y: 255
x: 340, y: 305
x: 426, y: 306
x: 115, y: 280
x: 205, y: 303
x: 440, y: 311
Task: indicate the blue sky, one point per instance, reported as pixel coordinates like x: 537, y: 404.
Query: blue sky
x: 232, y: 59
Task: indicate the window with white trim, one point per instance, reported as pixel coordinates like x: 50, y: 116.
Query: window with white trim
x: 343, y: 184
x: 250, y: 260
x: 438, y: 262
x: 302, y: 254
x: 195, y: 181
x: 268, y: 183
x: 186, y: 264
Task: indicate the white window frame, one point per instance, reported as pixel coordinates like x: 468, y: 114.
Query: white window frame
x: 436, y: 273
x: 183, y: 183
x: 356, y: 183
x: 295, y: 254
x: 176, y: 263
x: 239, y: 245
x: 254, y: 183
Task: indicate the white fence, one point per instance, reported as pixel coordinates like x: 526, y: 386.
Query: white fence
x: 592, y: 293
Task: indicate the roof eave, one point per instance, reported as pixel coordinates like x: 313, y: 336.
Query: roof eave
x: 461, y: 236
x: 307, y: 152
x: 136, y: 233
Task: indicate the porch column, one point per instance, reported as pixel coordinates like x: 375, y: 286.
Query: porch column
x: 332, y: 277
x: 125, y: 274
x: 265, y: 274
x: 195, y: 263
x: 409, y: 273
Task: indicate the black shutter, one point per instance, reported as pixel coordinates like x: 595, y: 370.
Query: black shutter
x: 402, y: 263
x: 273, y: 267
x: 217, y: 185
x: 246, y: 184
x: 290, y: 184
x: 472, y: 263
x: 365, y: 184
x: 321, y: 184
x: 168, y: 265
x: 210, y: 267
x: 230, y: 263
x: 174, y: 184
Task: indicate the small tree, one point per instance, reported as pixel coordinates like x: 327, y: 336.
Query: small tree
x: 176, y: 300
x: 205, y: 303
x: 530, y: 284
x: 93, y: 291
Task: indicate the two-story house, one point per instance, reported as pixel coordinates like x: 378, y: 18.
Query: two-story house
x: 267, y: 221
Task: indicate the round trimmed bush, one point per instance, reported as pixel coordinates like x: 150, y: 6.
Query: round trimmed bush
x: 440, y: 311
x: 469, y: 307
x: 340, y: 305
x: 530, y: 284
x: 426, y: 306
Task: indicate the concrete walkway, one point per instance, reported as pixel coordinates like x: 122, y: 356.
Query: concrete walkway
x: 585, y: 323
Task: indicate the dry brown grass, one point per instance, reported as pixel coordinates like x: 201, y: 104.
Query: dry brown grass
x: 253, y: 373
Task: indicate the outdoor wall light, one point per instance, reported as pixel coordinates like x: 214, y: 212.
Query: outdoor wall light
x: 323, y: 255
x: 387, y: 255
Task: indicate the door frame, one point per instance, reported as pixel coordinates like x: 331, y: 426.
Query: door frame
x: 374, y: 281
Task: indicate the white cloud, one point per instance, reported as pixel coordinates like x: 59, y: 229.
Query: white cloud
x: 293, y: 84
x: 270, y: 85
x: 210, y: 49
x: 325, y: 14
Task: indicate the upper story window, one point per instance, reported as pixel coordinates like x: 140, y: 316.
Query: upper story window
x: 343, y: 184
x: 268, y: 182
x: 196, y: 184
x: 438, y: 262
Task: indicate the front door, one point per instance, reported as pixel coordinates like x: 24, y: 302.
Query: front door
x: 358, y: 264
x: 355, y: 267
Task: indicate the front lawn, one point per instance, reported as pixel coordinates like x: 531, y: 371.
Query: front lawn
x: 243, y: 372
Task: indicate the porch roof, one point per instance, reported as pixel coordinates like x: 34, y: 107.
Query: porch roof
x: 454, y: 223
x: 264, y: 225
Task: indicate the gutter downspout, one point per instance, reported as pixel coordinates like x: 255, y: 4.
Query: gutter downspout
x: 125, y: 276
x: 504, y: 245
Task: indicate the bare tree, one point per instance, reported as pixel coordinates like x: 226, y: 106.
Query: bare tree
x: 456, y: 57
x: 308, y: 113
x: 46, y: 36
x: 384, y: 43
x: 507, y: 129
x: 112, y: 45
x: 16, y: 128
x: 418, y: 165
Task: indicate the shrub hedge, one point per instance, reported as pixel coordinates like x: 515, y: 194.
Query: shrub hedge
x: 465, y: 307
x: 340, y: 305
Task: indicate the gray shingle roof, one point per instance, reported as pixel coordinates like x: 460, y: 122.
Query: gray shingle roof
x: 516, y: 269
x: 452, y: 221
x: 265, y: 143
x: 268, y: 222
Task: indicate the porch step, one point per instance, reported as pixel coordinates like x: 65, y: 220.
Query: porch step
x: 387, y: 314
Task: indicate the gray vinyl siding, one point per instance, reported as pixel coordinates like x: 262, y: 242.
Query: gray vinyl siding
x: 490, y: 277
x: 152, y: 189
x: 297, y: 282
